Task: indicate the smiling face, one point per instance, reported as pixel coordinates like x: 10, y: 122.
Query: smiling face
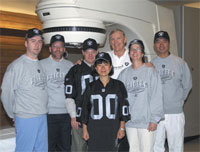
x: 57, y: 50
x: 89, y: 55
x: 103, y: 69
x: 161, y: 46
x: 33, y: 46
x: 118, y: 41
x: 136, y: 53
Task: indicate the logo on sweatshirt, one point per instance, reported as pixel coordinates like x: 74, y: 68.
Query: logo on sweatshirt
x: 38, y: 79
x: 126, y: 63
x: 136, y: 86
x: 56, y: 78
x: 57, y: 69
x: 165, y: 74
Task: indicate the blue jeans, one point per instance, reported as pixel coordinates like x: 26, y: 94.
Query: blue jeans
x: 31, y: 134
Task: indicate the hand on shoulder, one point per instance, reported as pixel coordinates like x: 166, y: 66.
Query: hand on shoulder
x: 149, y: 64
x: 78, y: 61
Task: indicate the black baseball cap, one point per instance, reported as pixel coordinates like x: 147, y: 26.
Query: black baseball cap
x: 136, y: 41
x: 33, y: 32
x: 56, y: 38
x: 161, y: 34
x: 90, y: 44
x: 103, y: 56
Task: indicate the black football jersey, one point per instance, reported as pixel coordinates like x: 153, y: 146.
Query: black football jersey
x: 76, y: 80
x: 102, y: 110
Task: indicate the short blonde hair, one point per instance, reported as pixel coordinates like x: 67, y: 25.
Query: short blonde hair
x: 116, y: 30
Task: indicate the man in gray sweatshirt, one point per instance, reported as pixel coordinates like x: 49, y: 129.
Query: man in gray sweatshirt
x: 176, y: 83
x: 24, y: 96
x: 59, y: 122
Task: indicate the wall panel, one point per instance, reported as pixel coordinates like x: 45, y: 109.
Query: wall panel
x: 191, y: 55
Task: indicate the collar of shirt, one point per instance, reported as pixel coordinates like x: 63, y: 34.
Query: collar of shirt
x: 121, y: 57
x: 118, y: 60
x: 55, y: 60
x: 30, y: 58
x: 90, y: 65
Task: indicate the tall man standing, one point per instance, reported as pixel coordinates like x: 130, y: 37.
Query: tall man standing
x: 176, y: 82
x: 55, y: 68
x: 121, y: 60
x: 24, y: 96
x: 119, y: 54
x: 77, y: 79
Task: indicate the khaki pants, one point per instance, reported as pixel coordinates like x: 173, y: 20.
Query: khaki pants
x: 78, y: 143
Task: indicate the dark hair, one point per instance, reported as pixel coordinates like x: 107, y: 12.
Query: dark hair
x: 65, y: 55
x: 100, y: 61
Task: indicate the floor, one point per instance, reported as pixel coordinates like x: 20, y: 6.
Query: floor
x: 7, y: 142
x: 192, y: 146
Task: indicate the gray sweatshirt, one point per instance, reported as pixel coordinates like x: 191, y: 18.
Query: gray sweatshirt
x: 144, y: 96
x: 55, y: 72
x: 24, y: 92
x: 176, y: 81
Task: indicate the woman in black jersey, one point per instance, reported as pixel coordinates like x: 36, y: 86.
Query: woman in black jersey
x: 104, y: 109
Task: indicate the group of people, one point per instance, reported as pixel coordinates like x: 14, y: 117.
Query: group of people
x: 106, y: 97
